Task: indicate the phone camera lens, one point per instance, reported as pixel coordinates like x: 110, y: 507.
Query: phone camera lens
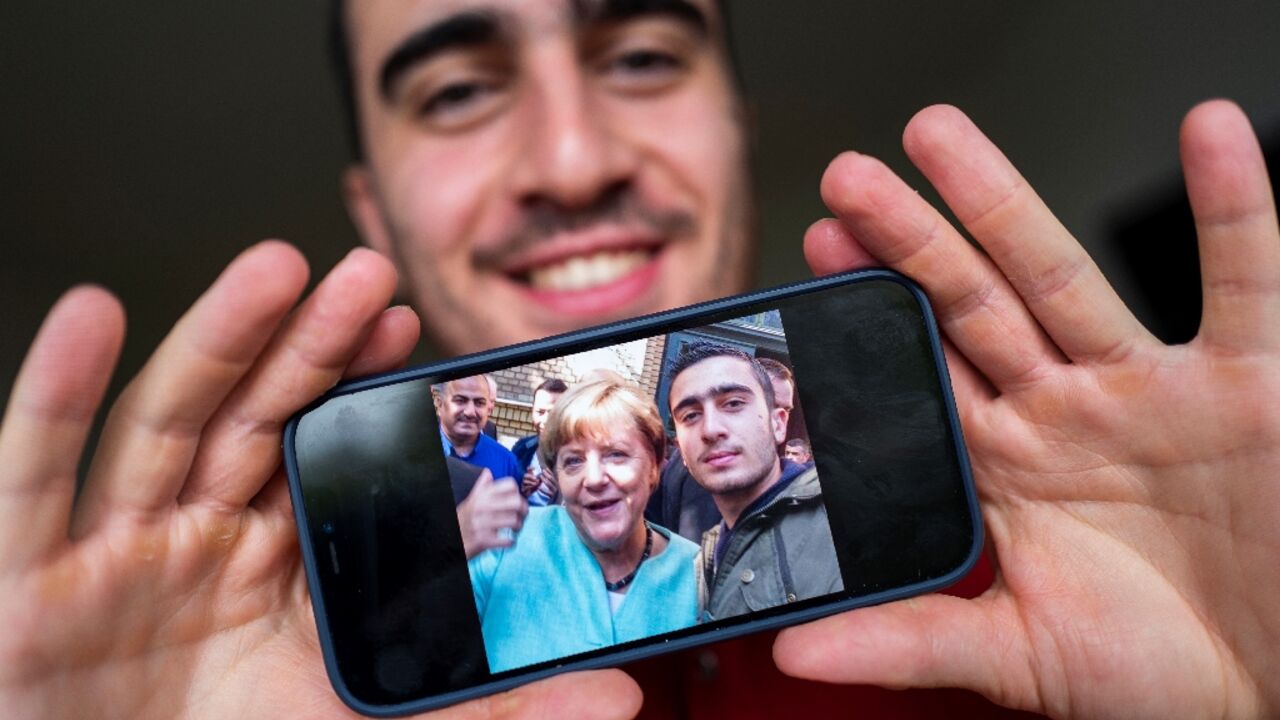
x: 327, y: 528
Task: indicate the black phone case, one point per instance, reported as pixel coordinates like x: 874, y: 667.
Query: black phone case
x: 566, y: 344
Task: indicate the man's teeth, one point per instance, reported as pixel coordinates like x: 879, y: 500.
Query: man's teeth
x: 580, y: 273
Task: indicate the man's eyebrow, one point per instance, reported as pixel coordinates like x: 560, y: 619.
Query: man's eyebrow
x: 717, y: 391
x: 466, y: 29
x: 617, y: 11
x: 729, y: 388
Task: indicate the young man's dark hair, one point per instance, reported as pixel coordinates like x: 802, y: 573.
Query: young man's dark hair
x: 696, y: 352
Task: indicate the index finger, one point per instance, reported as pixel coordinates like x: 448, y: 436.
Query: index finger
x: 50, y: 411
x: 1235, y: 214
x: 1056, y: 279
x: 154, y: 429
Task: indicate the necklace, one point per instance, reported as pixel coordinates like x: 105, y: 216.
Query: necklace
x: 648, y: 547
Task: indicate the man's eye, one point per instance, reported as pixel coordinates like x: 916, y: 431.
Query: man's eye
x: 452, y: 97
x: 646, y: 61
x: 642, y: 69
x: 458, y: 104
x: 688, y: 417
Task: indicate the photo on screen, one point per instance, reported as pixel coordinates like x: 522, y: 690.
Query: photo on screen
x: 459, y: 532
x: 635, y: 490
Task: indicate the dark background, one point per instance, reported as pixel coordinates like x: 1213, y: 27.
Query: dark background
x: 145, y: 143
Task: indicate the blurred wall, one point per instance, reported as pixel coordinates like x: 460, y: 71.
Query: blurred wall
x: 145, y: 143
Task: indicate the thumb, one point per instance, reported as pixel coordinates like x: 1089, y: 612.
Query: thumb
x: 595, y: 695
x: 929, y: 641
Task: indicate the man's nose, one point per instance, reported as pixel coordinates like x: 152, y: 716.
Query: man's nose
x: 572, y: 151
x: 713, y: 427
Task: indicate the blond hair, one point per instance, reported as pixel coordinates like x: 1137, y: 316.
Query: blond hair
x: 590, y: 409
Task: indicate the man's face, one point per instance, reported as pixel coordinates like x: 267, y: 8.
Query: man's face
x: 543, y: 402
x: 727, y: 434
x: 784, y: 395
x: 463, y: 406
x: 797, y: 454
x: 493, y: 401
x: 534, y: 166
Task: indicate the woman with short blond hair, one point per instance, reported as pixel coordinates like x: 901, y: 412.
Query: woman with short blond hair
x: 592, y: 572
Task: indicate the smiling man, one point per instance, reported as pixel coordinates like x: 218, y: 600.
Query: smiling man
x: 463, y: 406
x: 535, y: 167
x: 774, y: 544
x: 1134, y: 481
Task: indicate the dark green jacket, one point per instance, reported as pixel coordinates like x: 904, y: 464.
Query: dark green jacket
x: 778, y: 553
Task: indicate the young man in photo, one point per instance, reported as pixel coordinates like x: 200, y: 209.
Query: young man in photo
x: 681, y: 503
x: 773, y: 545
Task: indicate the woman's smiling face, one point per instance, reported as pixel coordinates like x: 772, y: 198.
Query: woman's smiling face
x: 606, y: 479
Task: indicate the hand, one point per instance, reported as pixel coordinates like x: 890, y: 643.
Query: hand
x: 530, y: 482
x: 174, y: 587
x: 491, y: 515
x: 1131, y: 490
x: 547, y: 482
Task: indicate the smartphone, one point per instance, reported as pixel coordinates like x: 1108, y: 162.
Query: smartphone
x: 684, y: 511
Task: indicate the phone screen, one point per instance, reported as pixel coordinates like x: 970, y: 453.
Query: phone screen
x: 678, y: 491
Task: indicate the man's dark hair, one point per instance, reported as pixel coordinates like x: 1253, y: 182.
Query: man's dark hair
x: 696, y: 352
x: 555, y: 386
x: 798, y: 443
x: 339, y: 43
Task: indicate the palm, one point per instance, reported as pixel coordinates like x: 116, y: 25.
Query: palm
x: 1128, y: 487
x: 222, y: 604
x: 1088, y: 516
x: 175, y: 586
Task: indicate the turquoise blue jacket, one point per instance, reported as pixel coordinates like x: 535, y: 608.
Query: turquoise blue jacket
x: 544, y: 597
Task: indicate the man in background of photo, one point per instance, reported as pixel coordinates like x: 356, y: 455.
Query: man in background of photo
x: 539, y: 483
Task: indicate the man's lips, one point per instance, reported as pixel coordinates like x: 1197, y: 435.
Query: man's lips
x: 597, y: 288
x: 581, y: 272
x: 719, y: 458
x: 583, y: 243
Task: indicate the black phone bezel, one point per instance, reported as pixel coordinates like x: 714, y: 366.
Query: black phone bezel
x: 569, y: 343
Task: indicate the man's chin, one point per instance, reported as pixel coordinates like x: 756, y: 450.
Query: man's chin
x: 728, y: 484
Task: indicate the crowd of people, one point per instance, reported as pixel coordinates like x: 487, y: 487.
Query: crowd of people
x: 606, y: 553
